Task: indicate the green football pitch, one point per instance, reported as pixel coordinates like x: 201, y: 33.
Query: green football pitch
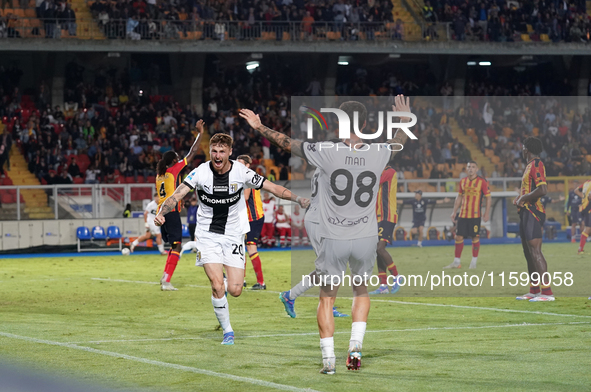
x: 104, y: 320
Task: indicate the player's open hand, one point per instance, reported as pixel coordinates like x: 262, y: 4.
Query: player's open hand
x: 485, y: 217
x: 402, y: 104
x: 159, y: 220
x: 200, y: 126
x: 453, y: 217
x: 253, y: 119
x: 303, y: 202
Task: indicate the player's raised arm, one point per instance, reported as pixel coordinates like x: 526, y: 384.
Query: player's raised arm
x: 195, y: 146
x: 285, y: 194
x: 277, y: 138
x: 401, y: 104
x: 170, y: 203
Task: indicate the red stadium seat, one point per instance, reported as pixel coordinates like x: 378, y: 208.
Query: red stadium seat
x: 78, y: 180
x: 151, y: 179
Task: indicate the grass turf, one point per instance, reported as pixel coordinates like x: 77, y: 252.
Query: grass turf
x: 408, y: 346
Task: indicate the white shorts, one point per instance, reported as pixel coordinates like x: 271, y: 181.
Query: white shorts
x: 153, y: 229
x: 219, y: 249
x: 335, y: 255
x: 312, y: 230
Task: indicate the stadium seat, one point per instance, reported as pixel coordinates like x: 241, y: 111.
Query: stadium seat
x: 114, y: 233
x: 186, y: 233
x: 98, y: 233
x: 82, y: 234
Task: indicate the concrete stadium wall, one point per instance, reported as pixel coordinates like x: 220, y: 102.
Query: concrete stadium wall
x: 26, y: 234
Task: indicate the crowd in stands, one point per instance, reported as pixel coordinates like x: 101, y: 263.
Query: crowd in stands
x: 501, y: 124
x: 508, y: 21
x: 110, y: 131
x: 151, y: 20
x: 57, y: 18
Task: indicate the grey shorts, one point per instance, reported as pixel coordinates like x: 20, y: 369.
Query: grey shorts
x: 334, y: 256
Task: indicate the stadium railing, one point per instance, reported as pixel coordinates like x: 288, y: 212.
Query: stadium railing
x: 18, y: 27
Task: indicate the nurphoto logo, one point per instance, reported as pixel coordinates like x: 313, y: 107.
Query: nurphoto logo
x: 345, y: 123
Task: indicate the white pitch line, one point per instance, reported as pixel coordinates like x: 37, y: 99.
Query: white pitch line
x: 389, y: 301
x: 482, y: 308
x: 339, y: 332
x: 226, y: 376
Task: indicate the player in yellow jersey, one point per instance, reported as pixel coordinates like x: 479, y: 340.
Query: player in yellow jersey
x: 167, y: 180
x: 387, y: 215
x: 584, y: 192
x: 254, y: 207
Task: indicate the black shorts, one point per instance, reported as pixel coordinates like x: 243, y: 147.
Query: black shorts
x: 468, y: 227
x: 576, y: 216
x: 255, y: 231
x: 416, y: 224
x: 386, y: 231
x: 530, y: 225
x: 172, y: 229
x: 586, y: 218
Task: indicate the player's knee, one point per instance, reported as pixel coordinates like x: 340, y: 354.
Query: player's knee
x: 459, y: 239
x: 218, y: 289
x: 235, y: 291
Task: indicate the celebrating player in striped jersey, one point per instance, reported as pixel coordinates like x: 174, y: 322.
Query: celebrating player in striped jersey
x: 222, y: 221
x: 254, y: 207
x: 584, y: 192
x: 151, y: 228
x: 469, y: 202
x: 168, y: 170
x: 386, y: 211
x: 532, y: 216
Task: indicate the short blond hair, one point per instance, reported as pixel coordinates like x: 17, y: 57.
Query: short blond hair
x: 245, y: 158
x: 221, y: 139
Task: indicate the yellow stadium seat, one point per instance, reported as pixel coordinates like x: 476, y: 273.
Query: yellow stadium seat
x: 470, y: 131
x: 30, y: 13
x: 545, y: 37
x: 536, y: 131
x: 588, y: 158
x: 530, y: 29
x: 525, y: 38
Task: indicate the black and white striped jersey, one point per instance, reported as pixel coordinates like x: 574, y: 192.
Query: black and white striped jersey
x: 221, y: 209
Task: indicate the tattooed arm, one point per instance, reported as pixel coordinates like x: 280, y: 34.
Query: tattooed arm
x: 400, y: 105
x: 285, y: 194
x: 277, y: 138
x: 170, y: 203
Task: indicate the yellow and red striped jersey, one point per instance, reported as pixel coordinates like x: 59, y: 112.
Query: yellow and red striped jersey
x: 254, y: 206
x: 585, y: 189
x: 167, y: 184
x: 386, y: 208
x: 534, y: 175
x: 472, y: 192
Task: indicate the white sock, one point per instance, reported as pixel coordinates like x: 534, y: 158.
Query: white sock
x: 135, y: 242
x: 327, y: 347
x: 222, y: 312
x: 188, y: 246
x: 474, y: 260
x: 357, y: 334
x: 161, y: 248
x: 420, y: 243
x: 456, y: 261
x: 300, y: 288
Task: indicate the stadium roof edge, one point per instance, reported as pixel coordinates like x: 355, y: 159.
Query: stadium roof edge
x: 183, y: 46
